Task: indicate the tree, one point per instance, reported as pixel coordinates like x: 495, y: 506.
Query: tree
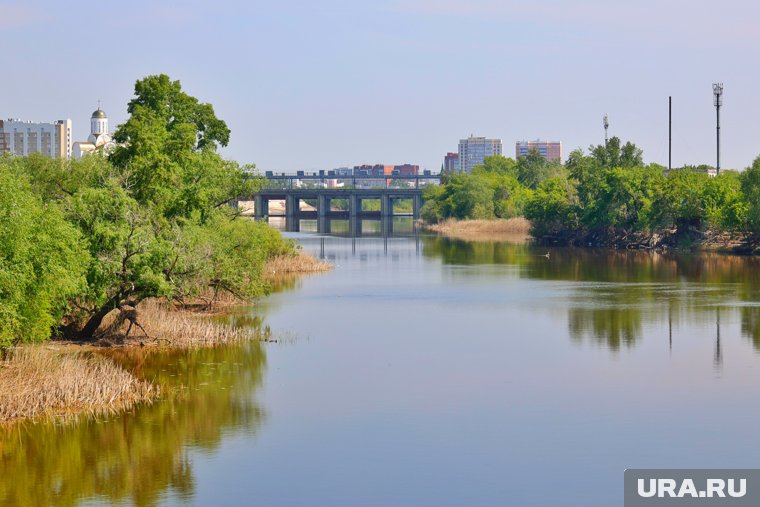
x: 683, y: 198
x: 497, y: 164
x: 168, y: 134
x: 750, y: 181
x: 154, y: 216
x: 613, y: 155
x: 42, y: 262
x: 553, y: 207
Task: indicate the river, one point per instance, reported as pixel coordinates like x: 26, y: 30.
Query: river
x: 430, y: 372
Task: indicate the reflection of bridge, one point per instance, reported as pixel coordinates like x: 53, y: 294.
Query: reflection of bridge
x: 314, y: 188
x: 399, y: 226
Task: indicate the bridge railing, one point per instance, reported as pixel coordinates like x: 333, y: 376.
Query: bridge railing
x: 288, y: 182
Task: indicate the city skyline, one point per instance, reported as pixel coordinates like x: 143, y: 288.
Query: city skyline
x: 528, y: 70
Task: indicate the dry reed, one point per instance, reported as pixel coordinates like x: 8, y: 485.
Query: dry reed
x: 516, y: 230
x: 295, y: 264
x: 38, y: 381
x: 163, y: 324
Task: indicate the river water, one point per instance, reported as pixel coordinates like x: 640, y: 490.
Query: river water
x: 430, y: 372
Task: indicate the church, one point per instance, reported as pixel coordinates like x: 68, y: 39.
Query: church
x: 99, y: 140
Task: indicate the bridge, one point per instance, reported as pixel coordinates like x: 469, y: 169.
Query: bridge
x: 315, y: 188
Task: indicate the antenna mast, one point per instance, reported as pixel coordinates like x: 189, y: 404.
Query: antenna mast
x: 606, y: 126
x: 718, y: 101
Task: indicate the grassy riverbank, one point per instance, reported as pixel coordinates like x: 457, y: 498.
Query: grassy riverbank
x: 510, y: 230
x: 64, y: 380
x: 59, y: 381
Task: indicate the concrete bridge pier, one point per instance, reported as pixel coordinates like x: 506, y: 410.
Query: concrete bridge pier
x: 355, y: 225
x: 386, y: 224
x: 354, y: 206
x: 323, y: 225
x: 386, y: 206
x: 261, y: 206
x: 323, y: 206
x: 291, y: 205
x: 292, y: 224
x: 416, y: 206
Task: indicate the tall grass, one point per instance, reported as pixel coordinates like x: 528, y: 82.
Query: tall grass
x: 511, y: 230
x: 37, y: 381
x: 163, y: 324
x: 295, y: 264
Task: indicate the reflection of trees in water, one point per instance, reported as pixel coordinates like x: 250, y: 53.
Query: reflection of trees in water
x: 141, y: 455
x: 611, y: 327
x: 632, y: 285
x: 750, y: 316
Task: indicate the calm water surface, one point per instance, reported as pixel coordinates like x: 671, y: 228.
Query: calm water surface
x: 429, y: 372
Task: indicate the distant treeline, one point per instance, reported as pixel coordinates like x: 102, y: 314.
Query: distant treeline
x: 606, y: 194
x: 81, y: 238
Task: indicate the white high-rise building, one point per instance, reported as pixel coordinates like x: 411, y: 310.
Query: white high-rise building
x: 474, y: 150
x: 23, y: 138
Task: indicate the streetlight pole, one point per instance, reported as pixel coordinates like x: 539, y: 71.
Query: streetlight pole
x: 718, y: 101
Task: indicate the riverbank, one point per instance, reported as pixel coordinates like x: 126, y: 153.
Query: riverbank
x: 513, y: 230
x: 39, y: 381
x: 63, y: 380
x: 691, y: 239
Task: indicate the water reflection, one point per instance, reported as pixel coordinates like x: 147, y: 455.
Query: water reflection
x: 140, y: 456
x: 398, y: 226
x: 618, y: 291
x: 750, y: 319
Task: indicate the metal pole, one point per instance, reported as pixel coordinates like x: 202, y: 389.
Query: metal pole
x: 717, y: 128
x: 718, y: 100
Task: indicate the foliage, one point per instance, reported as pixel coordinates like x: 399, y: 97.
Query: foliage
x: 492, y: 190
x: 533, y: 168
x: 614, y: 155
x: 42, y: 261
x: 167, y: 149
x: 151, y: 220
x: 553, y: 207
x: 750, y: 184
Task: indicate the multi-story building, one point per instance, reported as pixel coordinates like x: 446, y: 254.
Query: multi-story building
x: 474, y: 150
x: 451, y: 163
x: 23, y: 138
x: 550, y: 150
x: 373, y: 170
x: 406, y: 170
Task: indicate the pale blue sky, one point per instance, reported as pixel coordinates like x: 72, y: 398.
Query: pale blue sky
x: 317, y: 85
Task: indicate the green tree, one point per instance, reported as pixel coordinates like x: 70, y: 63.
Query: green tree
x: 154, y: 216
x: 42, y: 262
x: 750, y: 181
x: 167, y: 145
x: 614, y: 155
x: 553, y: 207
x: 683, y: 198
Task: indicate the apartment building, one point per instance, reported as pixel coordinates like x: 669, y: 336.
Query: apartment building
x: 550, y: 150
x: 474, y: 150
x: 23, y: 138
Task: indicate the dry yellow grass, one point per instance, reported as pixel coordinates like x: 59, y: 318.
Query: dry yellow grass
x: 299, y: 263
x: 37, y: 381
x: 163, y: 324
x: 511, y: 230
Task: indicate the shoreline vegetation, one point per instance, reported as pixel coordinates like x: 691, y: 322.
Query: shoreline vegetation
x: 63, y: 380
x: 136, y: 246
x: 606, y: 198
x: 510, y: 230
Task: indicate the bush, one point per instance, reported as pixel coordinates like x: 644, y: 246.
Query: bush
x: 42, y: 261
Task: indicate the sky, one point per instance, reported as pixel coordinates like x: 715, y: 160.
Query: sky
x: 318, y: 85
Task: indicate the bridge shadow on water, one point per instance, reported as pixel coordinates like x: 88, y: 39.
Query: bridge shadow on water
x: 395, y: 226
